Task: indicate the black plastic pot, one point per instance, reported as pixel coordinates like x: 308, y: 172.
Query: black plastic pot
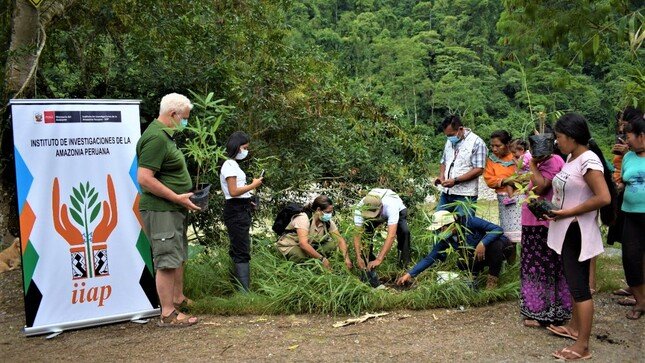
x: 540, y: 208
x: 201, y: 196
x: 541, y: 144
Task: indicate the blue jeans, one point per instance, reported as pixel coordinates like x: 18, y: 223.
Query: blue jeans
x: 456, y: 203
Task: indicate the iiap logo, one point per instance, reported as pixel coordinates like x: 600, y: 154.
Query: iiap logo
x: 87, y: 245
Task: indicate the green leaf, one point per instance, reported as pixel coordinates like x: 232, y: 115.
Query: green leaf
x: 76, y: 216
x: 92, y: 200
x: 75, y: 204
x: 95, y: 212
x: 596, y: 43
x: 77, y: 194
x: 82, y: 187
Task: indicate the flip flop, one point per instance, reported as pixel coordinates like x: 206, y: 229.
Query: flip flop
x: 577, y: 356
x: 626, y: 301
x: 634, y: 314
x: 622, y: 292
x: 562, y: 331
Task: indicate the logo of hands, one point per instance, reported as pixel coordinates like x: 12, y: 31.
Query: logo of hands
x: 72, y: 234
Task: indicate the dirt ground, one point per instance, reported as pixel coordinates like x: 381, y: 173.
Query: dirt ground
x: 491, y: 333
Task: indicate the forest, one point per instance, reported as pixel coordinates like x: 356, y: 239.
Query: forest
x: 337, y: 95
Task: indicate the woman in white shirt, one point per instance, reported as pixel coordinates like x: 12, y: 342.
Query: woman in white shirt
x: 237, y: 209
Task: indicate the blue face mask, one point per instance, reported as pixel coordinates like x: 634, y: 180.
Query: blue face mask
x: 453, y: 139
x: 183, y: 122
x: 325, y: 217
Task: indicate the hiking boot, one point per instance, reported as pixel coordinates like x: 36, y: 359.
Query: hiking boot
x: 491, y: 282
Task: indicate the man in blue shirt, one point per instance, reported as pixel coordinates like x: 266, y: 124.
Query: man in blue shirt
x: 484, y: 241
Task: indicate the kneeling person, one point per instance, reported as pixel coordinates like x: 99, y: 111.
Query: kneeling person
x: 315, y: 237
x: 490, y: 245
x: 378, y: 207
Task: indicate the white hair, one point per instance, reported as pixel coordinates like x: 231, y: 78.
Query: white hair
x: 174, y: 102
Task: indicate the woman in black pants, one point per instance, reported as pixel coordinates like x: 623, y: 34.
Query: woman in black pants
x: 633, y: 207
x: 237, y: 209
x: 581, y: 188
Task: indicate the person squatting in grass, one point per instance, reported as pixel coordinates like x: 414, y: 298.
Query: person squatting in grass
x: 165, y: 192
x: 580, y: 190
x: 377, y: 207
x: 313, y: 234
x: 238, y: 206
x: 633, y: 207
x: 484, y: 245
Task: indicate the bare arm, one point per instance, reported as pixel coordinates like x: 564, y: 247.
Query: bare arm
x: 540, y: 183
x: 472, y: 174
x: 147, y: 180
x: 358, y: 248
x: 342, y: 244
x: 303, y: 242
x: 387, y: 245
x: 233, y: 189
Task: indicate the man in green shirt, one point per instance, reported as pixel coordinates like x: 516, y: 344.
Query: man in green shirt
x: 165, y: 191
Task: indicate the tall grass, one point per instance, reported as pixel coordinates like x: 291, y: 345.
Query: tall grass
x: 282, y: 287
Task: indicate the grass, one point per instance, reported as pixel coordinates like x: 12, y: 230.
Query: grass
x: 283, y: 287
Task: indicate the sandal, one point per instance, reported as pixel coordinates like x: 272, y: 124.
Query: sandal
x: 569, y: 352
x: 185, y: 305
x: 173, y: 320
x: 627, y: 301
x: 622, y: 292
x: 562, y: 331
x: 634, y: 314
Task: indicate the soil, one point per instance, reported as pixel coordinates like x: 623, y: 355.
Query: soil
x: 491, y: 333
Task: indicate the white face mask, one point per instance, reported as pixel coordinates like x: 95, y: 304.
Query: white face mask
x: 242, y: 154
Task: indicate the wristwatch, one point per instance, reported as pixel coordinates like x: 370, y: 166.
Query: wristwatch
x: 457, y: 180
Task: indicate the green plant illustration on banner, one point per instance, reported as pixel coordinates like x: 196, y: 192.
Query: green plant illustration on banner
x: 84, y: 200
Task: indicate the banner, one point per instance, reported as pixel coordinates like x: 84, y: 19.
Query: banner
x: 85, y: 258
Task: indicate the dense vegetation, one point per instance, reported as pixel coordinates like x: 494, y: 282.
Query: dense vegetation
x: 351, y: 90
x: 346, y: 93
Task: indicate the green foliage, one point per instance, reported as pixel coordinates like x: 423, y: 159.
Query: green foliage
x: 283, y: 287
x: 200, y: 142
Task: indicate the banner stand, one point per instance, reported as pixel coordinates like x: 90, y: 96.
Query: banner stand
x: 85, y: 258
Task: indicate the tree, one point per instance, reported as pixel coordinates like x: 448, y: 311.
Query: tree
x: 28, y: 36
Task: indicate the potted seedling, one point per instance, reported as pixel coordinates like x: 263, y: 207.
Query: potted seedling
x: 541, y: 143
x: 201, y: 143
x: 536, y: 205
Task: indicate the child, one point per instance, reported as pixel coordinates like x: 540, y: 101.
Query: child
x: 520, y: 151
x: 522, y: 156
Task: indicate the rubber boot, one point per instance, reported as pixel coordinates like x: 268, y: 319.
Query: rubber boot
x: 243, y: 276
x: 491, y: 282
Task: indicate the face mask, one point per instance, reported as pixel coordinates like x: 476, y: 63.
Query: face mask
x: 183, y: 122
x: 325, y: 217
x: 453, y: 139
x: 241, y: 155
